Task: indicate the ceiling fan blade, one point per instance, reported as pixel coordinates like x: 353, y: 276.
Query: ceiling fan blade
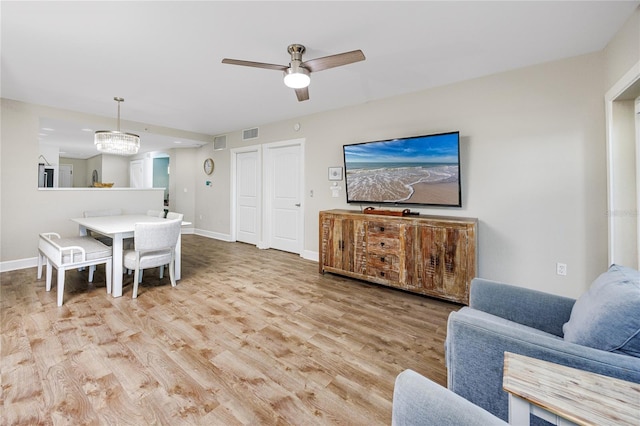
x: 302, y: 94
x: 333, y: 61
x: 254, y: 64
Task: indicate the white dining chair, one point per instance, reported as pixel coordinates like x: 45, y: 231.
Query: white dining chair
x: 154, y: 246
x: 128, y: 242
x: 171, y: 216
x: 98, y: 213
x: 155, y: 213
x: 102, y: 212
x: 71, y: 253
x: 174, y: 216
x: 102, y: 238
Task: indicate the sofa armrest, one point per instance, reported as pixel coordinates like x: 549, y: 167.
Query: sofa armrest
x: 542, y: 311
x: 475, y: 346
x: 419, y: 401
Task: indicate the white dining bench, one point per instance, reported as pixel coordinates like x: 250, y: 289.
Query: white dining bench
x: 70, y: 253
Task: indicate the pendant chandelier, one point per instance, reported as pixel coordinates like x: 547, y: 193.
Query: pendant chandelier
x: 115, y: 141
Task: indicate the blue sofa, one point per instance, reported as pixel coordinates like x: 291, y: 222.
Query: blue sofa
x: 417, y: 401
x: 600, y: 332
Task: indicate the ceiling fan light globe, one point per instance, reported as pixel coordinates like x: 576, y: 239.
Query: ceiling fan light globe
x: 297, y: 79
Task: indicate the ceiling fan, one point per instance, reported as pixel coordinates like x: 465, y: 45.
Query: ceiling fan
x: 297, y: 73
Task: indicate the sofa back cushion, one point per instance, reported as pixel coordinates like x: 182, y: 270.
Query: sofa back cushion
x: 607, y: 316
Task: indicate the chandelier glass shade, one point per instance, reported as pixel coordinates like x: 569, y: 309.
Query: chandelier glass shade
x: 115, y: 141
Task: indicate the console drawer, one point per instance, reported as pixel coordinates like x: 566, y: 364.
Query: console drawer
x: 383, y: 237
x: 392, y: 276
x: 385, y: 266
x: 382, y: 245
x: 383, y: 229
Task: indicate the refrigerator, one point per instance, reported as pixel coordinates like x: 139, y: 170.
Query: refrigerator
x: 45, y: 176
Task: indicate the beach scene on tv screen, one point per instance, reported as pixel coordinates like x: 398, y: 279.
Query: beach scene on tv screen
x: 421, y: 170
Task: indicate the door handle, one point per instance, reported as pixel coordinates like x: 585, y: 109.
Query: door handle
x: 297, y: 204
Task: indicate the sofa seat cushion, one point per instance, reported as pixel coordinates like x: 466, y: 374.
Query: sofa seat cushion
x: 607, y: 316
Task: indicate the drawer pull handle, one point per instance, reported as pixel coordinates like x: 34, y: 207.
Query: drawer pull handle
x: 382, y: 229
x: 382, y: 274
x: 382, y: 244
x: 382, y: 259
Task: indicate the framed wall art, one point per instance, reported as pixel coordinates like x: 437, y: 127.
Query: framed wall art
x: 335, y: 173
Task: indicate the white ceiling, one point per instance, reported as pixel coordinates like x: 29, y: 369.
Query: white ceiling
x: 164, y: 57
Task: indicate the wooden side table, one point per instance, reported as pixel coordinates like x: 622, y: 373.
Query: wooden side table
x: 566, y: 396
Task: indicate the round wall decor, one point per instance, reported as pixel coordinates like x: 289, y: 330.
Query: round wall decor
x: 208, y: 166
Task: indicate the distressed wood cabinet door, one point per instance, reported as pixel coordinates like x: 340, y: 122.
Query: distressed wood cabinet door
x: 438, y: 261
x: 342, y: 244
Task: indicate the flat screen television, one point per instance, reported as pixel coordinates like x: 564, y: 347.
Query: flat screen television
x: 419, y: 170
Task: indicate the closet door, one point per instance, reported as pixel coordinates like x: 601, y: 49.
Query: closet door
x: 284, y: 185
x: 247, y: 198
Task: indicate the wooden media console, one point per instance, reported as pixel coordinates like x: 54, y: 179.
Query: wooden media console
x: 430, y: 255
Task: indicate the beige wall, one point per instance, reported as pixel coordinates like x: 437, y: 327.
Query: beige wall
x: 623, y: 51
x: 182, y: 182
x: 115, y: 169
x: 79, y: 171
x: 94, y: 163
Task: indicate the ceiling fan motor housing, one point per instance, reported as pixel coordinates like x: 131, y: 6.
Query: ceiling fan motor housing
x: 296, y: 51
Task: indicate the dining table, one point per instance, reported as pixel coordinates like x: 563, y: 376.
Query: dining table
x: 119, y: 228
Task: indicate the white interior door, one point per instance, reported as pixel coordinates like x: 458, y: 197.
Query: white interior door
x: 284, y: 219
x: 136, y: 175
x: 247, y: 200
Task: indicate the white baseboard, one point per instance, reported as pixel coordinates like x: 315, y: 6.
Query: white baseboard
x: 310, y: 255
x: 12, y: 265
x: 214, y: 235
x: 306, y: 254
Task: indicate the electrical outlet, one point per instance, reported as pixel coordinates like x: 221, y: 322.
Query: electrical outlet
x: 561, y: 269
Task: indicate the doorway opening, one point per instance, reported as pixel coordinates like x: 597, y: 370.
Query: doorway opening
x: 623, y: 169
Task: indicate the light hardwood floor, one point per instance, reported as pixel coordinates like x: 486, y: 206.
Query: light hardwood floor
x: 247, y: 337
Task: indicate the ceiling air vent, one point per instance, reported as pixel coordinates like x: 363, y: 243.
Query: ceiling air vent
x: 219, y: 143
x: 250, y: 134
